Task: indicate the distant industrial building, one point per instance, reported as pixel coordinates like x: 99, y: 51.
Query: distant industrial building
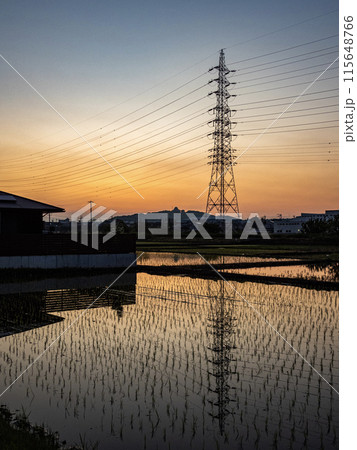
x: 294, y: 225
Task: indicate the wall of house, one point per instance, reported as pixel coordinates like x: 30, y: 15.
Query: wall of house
x: 67, y: 261
x: 20, y: 222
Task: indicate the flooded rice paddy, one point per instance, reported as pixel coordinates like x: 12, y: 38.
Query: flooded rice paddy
x: 244, y: 265
x: 176, y: 362
x: 307, y: 272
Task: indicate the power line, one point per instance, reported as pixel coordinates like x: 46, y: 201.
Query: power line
x: 136, y: 151
x: 289, y: 131
x: 310, y: 144
x: 120, y: 147
x: 295, y: 125
x: 292, y: 162
x: 98, y: 129
x: 132, y: 98
x: 283, y: 87
x: 191, y: 167
x: 93, y: 170
x: 284, y: 49
x: 56, y: 151
x: 188, y: 68
x: 280, y: 79
x: 281, y: 73
x: 190, y: 104
x: 290, y: 117
x: 240, y: 121
x: 253, y: 155
x: 245, y: 109
x: 283, y: 104
x: 290, y: 155
x: 131, y: 163
x: 31, y: 157
x: 239, y: 71
x: 283, y: 29
x: 55, y: 148
x: 291, y: 111
x: 97, y: 174
x: 290, y: 97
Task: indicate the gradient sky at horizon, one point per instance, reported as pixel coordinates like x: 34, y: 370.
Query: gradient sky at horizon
x: 97, y: 63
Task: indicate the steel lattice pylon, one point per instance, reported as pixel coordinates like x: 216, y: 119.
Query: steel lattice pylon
x: 221, y: 324
x: 222, y: 196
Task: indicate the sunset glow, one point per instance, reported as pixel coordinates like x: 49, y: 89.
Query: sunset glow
x: 147, y: 117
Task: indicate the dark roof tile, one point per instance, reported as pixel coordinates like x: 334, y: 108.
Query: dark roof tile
x: 12, y: 201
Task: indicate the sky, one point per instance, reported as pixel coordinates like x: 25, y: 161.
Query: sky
x: 132, y: 78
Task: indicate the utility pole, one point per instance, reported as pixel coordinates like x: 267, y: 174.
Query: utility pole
x: 91, y: 216
x: 90, y: 210
x: 222, y: 196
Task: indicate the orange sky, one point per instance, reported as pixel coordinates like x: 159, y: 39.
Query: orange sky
x: 282, y: 173
x: 151, y: 125
x: 267, y: 188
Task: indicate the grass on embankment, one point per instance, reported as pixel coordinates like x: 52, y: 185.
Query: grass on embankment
x: 17, y: 433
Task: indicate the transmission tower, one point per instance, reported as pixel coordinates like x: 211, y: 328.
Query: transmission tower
x: 222, y: 196
x: 221, y: 324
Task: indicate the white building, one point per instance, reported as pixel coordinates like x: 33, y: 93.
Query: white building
x: 294, y: 225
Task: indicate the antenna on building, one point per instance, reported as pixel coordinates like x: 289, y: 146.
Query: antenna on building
x: 222, y: 196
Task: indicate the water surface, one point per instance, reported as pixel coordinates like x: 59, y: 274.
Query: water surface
x: 175, y: 362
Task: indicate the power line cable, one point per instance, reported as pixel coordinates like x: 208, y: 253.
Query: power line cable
x: 283, y: 50
x: 284, y: 87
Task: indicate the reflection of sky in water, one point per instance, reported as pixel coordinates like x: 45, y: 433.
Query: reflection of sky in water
x: 139, y: 377
x: 306, y: 272
x: 309, y: 271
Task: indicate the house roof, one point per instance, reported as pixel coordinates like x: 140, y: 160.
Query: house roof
x: 12, y: 201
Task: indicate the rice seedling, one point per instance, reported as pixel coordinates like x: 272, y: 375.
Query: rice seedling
x: 147, y: 372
